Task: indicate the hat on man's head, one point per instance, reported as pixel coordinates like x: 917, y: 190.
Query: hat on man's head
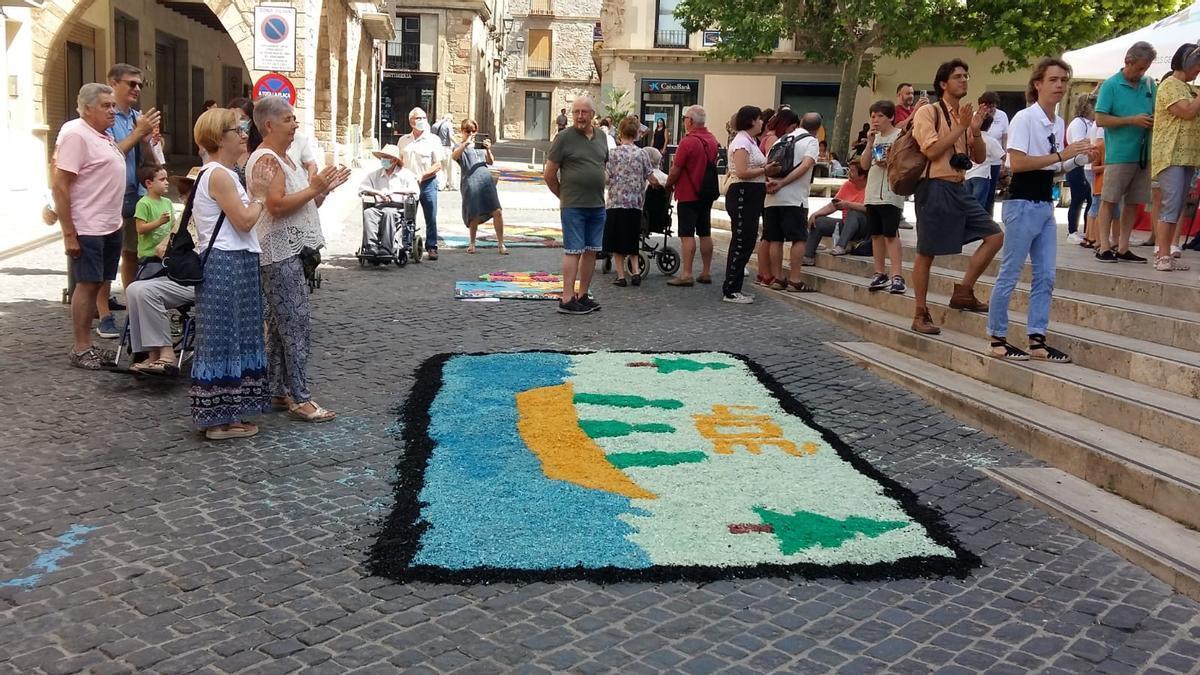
x: 389, y: 151
x: 185, y: 183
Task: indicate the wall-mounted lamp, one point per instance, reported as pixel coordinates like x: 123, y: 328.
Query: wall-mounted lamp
x: 520, y: 42
x: 508, y: 23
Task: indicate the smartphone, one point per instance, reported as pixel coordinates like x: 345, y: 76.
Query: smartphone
x: 922, y: 94
x: 481, y: 138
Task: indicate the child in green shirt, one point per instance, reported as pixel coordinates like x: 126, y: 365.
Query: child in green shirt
x: 154, y: 214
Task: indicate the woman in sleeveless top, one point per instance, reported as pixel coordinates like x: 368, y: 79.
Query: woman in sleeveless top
x: 480, y: 203
x: 744, y: 199
x: 229, y: 371
x: 289, y: 227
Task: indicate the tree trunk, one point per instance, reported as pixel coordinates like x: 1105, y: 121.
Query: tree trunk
x: 844, y: 117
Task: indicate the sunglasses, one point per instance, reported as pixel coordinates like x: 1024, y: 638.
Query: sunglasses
x: 133, y: 84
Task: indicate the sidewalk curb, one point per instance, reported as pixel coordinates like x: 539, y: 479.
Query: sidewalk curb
x: 30, y: 245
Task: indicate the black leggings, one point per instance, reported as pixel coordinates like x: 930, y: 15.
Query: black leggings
x: 744, y: 202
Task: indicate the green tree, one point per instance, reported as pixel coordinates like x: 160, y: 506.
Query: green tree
x: 853, y: 33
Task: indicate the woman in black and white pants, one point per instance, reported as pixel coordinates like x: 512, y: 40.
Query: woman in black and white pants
x: 744, y: 200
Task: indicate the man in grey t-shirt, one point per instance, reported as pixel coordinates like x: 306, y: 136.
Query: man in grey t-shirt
x: 575, y: 174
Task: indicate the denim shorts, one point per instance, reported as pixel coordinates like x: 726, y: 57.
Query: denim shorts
x: 583, y: 229
x: 1175, y: 182
x: 99, y: 255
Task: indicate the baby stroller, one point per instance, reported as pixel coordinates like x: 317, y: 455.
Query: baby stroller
x: 656, y: 219
x: 389, y: 232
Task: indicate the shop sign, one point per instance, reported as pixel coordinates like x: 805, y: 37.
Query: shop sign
x: 669, y: 86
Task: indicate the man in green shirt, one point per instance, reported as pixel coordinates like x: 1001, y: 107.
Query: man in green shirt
x: 575, y: 174
x: 1125, y: 109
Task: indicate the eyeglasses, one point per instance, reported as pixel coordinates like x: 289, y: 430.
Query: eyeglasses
x: 239, y: 129
x: 133, y: 84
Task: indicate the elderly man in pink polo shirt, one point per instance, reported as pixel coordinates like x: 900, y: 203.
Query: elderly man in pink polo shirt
x: 89, y: 185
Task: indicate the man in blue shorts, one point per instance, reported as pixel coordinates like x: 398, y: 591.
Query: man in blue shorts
x: 575, y: 174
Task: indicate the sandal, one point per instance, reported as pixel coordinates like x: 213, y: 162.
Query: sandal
x: 799, y: 287
x: 319, y: 414
x: 160, y: 367
x: 236, y: 430
x: 503, y: 249
x: 1011, y: 353
x: 1037, y: 343
x: 621, y: 282
x: 1087, y: 243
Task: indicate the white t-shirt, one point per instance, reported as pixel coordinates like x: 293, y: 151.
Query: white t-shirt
x: 205, y: 212
x: 1030, y: 134
x: 796, y: 192
x: 999, y: 126
x: 301, y: 150
x: 879, y: 191
x: 755, y: 159
x: 995, y: 153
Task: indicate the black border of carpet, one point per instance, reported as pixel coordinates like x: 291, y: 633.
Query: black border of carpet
x: 396, y: 546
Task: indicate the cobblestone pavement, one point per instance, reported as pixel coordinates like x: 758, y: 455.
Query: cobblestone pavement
x: 248, y: 556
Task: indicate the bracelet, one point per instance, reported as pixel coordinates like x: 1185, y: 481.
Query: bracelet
x: 1060, y: 159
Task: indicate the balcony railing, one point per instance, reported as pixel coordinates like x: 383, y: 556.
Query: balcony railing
x: 537, y: 67
x: 671, y: 38
x: 544, y: 7
x: 402, y: 56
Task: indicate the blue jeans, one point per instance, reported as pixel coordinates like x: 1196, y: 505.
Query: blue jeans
x: 1029, y: 232
x: 978, y: 188
x: 429, y: 197
x: 583, y: 229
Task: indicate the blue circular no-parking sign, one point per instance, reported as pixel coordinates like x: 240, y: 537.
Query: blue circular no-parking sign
x: 274, y: 84
x: 275, y: 29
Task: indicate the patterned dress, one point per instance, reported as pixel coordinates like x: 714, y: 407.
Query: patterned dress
x: 628, y: 170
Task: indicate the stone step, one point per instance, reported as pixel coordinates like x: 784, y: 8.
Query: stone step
x: 1152, y: 475
x: 1162, y: 546
x: 1163, y: 417
x: 1153, y: 323
x: 1167, y: 368
x: 1078, y: 271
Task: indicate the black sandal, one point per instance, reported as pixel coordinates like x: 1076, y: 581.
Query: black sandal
x: 1011, y: 353
x: 799, y: 287
x: 1038, y: 343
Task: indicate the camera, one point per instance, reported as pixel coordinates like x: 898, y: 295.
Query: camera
x: 482, y: 139
x: 960, y: 162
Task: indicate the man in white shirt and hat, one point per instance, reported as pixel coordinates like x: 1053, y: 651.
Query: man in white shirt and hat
x: 422, y: 152
x: 388, y: 185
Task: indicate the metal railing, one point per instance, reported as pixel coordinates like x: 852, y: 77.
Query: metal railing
x: 544, y: 7
x: 403, y: 56
x: 671, y: 38
x: 537, y: 67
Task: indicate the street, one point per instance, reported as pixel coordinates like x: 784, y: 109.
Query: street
x: 128, y: 542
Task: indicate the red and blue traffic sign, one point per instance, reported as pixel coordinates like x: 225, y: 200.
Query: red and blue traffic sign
x: 275, y: 29
x: 274, y: 84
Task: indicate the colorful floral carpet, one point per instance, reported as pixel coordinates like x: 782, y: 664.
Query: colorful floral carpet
x: 515, y: 236
x: 617, y: 466
x: 509, y: 290
x: 518, y: 175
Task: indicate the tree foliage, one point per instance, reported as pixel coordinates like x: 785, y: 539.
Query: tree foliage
x: 852, y: 33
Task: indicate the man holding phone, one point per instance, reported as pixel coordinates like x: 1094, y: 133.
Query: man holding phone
x: 908, y: 101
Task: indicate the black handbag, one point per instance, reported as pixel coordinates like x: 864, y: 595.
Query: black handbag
x: 182, y: 264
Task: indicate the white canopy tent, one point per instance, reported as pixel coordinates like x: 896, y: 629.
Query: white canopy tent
x: 1100, y: 61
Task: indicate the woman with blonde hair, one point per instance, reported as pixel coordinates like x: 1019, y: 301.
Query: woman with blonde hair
x: 229, y: 370
x: 480, y: 202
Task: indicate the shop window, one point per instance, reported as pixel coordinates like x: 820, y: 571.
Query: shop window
x: 540, y: 49
x: 669, y: 30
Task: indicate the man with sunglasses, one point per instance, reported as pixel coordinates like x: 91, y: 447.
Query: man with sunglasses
x: 136, y: 135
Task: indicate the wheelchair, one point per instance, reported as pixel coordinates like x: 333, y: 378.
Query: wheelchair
x: 401, y: 219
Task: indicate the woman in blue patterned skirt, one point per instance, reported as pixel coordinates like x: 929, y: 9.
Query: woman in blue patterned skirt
x: 229, y: 372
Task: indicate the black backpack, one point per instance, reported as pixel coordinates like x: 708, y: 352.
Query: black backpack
x: 182, y: 264
x: 783, y: 153
x: 709, y: 189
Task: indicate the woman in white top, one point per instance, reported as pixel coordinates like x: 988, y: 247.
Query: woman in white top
x: 229, y: 371
x: 744, y: 199
x: 1077, y: 179
x: 289, y: 228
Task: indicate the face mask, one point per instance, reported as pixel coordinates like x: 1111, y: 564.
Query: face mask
x: 422, y: 126
x: 245, y: 125
x: 385, y: 163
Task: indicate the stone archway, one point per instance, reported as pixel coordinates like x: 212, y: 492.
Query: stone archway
x: 52, y: 18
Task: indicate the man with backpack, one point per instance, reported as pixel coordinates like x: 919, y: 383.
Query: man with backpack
x: 785, y: 216
x: 949, y: 137
x: 694, y: 179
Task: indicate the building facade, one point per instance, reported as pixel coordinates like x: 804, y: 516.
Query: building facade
x: 647, y: 54
x: 549, y: 63
x: 189, y: 51
x: 445, y: 58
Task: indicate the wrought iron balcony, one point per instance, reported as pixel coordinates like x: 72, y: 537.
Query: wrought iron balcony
x: 671, y: 38
x: 541, y: 7
x: 403, y: 56
x: 537, y: 67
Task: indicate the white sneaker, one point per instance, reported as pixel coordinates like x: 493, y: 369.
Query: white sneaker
x: 1074, y: 238
x: 739, y: 298
x: 1176, y: 252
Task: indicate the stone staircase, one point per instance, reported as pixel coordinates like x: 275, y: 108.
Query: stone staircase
x: 1119, y: 428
